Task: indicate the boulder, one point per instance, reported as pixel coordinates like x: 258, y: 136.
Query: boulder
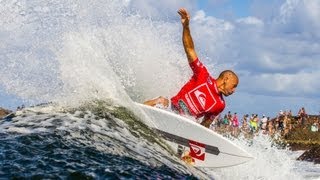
x: 311, y: 155
x: 4, y: 112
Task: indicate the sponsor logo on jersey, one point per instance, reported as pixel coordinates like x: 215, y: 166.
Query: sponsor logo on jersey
x: 201, y: 98
x: 202, y: 95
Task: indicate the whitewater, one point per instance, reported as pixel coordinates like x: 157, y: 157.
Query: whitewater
x: 79, y: 66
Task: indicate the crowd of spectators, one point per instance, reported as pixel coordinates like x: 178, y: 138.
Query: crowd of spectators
x: 252, y: 124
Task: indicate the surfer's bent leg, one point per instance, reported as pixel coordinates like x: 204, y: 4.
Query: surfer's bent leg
x: 162, y: 101
x: 207, y: 121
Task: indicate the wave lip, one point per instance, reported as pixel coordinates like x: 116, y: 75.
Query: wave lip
x: 96, y: 140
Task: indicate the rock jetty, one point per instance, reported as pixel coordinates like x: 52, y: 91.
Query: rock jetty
x: 4, y: 112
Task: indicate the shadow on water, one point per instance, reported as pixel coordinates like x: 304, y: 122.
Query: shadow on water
x: 50, y: 155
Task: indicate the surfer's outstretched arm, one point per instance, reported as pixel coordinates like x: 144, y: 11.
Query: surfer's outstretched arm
x: 186, y: 35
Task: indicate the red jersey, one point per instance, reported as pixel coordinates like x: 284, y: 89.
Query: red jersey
x: 200, y: 95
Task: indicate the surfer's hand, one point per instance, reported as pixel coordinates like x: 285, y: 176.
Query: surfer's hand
x: 185, y: 18
x: 163, y: 101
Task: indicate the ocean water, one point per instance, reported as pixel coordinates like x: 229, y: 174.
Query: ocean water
x: 87, y: 142
x: 100, y: 140
x: 87, y: 61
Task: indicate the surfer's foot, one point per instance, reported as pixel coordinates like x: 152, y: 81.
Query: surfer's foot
x: 162, y: 101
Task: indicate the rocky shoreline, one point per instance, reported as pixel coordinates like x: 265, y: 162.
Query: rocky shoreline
x: 311, y: 155
x: 4, y: 112
x: 302, y: 138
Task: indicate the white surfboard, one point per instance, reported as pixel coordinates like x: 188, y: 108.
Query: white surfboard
x: 194, y: 143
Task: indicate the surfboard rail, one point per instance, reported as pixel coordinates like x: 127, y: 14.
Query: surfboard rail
x: 205, y: 147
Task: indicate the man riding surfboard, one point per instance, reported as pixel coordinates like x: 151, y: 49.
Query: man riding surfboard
x: 202, y: 95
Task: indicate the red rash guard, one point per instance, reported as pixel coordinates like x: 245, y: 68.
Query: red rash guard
x: 200, y: 95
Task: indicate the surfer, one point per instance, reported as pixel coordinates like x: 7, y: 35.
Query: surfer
x: 202, y: 95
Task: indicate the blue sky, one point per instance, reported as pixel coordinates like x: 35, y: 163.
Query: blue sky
x: 9, y: 101
x: 272, y: 45
x: 225, y: 8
